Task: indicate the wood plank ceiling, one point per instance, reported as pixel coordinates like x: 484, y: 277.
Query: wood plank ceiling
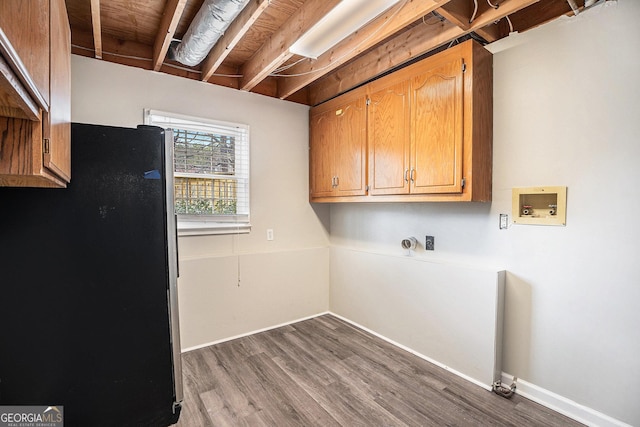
x: 253, y: 54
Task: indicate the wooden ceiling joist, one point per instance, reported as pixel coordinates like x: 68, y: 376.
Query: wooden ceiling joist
x: 232, y: 36
x: 251, y: 54
x: 540, y: 13
x: 97, y: 28
x: 275, y: 51
x: 414, y: 42
x: 170, y: 19
x: 384, y: 26
x: 458, y: 12
x: 139, y: 55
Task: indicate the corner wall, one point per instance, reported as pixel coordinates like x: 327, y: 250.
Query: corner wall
x: 214, y: 304
x: 566, y: 112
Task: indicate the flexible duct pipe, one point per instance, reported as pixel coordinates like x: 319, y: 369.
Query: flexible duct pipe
x: 207, y: 27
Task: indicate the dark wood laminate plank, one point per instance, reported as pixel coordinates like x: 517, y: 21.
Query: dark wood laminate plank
x: 193, y: 412
x: 410, y: 415
x: 257, y: 391
x: 226, y: 403
x: 304, y: 362
x: 298, y: 404
x: 326, y: 372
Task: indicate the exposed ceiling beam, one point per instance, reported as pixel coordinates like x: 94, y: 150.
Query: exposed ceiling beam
x: 275, y: 51
x: 540, y: 13
x: 387, y: 24
x: 170, y: 19
x: 492, y: 32
x: 232, y: 36
x: 97, y: 28
x: 461, y: 12
x: 414, y: 42
x: 458, y: 12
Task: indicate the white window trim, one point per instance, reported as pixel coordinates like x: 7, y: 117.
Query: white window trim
x: 195, y: 225
x: 204, y: 228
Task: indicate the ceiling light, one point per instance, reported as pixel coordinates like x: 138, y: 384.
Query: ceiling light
x: 344, y: 19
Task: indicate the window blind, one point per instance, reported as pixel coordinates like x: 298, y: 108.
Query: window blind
x: 211, y: 171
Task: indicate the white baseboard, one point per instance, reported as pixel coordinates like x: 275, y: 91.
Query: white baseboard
x: 561, y: 404
x: 196, y: 347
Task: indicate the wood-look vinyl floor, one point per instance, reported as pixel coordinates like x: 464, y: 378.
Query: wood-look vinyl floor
x: 326, y: 372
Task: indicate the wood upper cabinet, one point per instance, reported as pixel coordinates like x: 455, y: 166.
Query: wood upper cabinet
x: 57, y: 123
x: 35, y: 111
x: 415, y: 134
x: 388, y: 132
x: 338, y: 148
x: 321, y: 178
x: 437, y: 130
x: 429, y: 130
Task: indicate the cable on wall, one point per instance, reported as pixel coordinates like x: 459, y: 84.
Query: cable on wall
x: 510, y: 24
x: 475, y: 11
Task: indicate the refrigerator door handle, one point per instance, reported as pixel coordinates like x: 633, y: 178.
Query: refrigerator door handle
x: 172, y: 254
x: 177, y: 250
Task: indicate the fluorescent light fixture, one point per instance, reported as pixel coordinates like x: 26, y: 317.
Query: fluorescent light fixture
x: 344, y: 19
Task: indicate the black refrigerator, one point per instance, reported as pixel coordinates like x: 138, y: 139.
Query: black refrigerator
x: 88, y: 304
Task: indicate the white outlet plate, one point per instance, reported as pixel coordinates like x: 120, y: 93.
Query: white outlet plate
x: 270, y: 234
x: 504, y: 221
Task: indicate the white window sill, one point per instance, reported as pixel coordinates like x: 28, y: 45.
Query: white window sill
x: 204, y: 228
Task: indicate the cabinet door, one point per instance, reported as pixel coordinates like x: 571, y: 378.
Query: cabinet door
x: 25, y: 25
x: 350, y: 144
x: 437, y: 130
x: 57, y: 123
x: 321, y: 154
x: 388, y: 121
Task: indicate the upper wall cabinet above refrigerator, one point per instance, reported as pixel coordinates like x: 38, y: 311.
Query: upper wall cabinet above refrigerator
x: 428, y: 132
x: 35, y: 94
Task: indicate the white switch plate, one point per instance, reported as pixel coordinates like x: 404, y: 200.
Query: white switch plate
x: 270, y: 234
x: 504, y: 221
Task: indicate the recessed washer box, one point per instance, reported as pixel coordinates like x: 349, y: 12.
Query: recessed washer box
x: 539, y: 205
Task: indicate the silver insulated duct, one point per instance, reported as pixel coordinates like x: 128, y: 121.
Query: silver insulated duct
x: 207, y: 27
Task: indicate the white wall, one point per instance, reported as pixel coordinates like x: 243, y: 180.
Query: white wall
x: 459, y: 310
x: 566, y: 112
x: 212, y: 309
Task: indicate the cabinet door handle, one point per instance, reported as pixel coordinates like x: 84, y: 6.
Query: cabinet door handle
x: 333, y: 182
x: 413, y: 171
x: 406, y: 175
x: 337, y: 181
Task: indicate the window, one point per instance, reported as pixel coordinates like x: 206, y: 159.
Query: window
x: 211, y: 173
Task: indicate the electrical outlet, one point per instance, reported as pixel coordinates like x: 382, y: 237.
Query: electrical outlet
x: 504, y: 221
x: 429, y: 243
x: 270, y: 234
